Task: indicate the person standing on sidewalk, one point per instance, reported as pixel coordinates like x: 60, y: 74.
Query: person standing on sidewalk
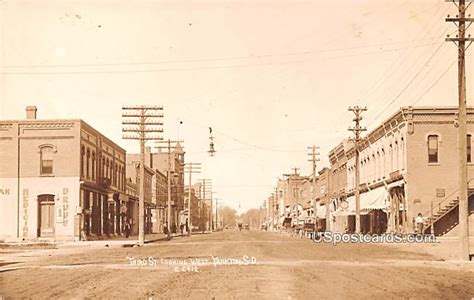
x: 419, y: 223
x: 166, y: 231
x: 128, y: 227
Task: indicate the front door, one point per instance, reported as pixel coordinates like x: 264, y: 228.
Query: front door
x: 45, y: 215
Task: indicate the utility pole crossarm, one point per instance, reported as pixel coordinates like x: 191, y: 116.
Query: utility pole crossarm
x: 357, y: 129
x: 138, y: 116
x: 314, y: 158
x: 191, y: 168
x: 460, y: 21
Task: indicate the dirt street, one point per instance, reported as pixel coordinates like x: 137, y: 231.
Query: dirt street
x: 232, y: 265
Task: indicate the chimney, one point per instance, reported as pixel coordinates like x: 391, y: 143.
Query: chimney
x: 31, y: 112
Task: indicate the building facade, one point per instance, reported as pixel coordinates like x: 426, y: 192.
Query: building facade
x: 59, y: 180
x: 172, y: 163
x: 133, y: 193
x: 408, y: 164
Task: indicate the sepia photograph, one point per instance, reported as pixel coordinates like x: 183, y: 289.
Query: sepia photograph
x: 236, y: 149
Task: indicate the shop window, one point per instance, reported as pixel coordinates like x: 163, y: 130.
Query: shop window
x: 433, y: 149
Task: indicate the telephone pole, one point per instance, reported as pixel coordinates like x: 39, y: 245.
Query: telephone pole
x: 207, y: 193
x: 275, y: 209
x: 313, y: 160
x: 460, y: 40
x: 191, y: 168
x: 217, y: 206
x: 143, y: 124
x: 357, y: 129
x: 168, y: 148
x: 295, y: 189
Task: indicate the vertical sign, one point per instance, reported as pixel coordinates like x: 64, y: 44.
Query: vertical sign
x: 25, y: 213
x: 65, y: 206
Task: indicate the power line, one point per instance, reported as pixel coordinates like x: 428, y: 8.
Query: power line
x: 198, y: 68
x: 435, y: 82
x: 308, y: 52
x: 407, y: 85
x: 391, y: 71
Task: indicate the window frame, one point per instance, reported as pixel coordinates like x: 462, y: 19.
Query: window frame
x: 41, y: 151
x: 435, y: 149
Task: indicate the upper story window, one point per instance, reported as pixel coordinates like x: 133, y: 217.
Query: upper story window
x: 82, y: 161
x: 93, y: 165
x: 88, y: 156
x: 432, y: 148
x: 46, y: 157
x: 469, y: 148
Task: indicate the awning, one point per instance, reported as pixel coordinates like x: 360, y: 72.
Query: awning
x: 378, y: 198
x: 374, y: 199
x: 350, y: 210
x: 398, y: 183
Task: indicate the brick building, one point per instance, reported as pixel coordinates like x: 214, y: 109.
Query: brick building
x: 408, y: 163
x: 133, y: 193
x: 59, y: 179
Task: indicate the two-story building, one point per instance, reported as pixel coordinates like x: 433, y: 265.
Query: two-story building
x: 59, y: 180
x: 409, y: 164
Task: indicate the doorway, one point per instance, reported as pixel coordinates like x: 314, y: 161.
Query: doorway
x: 45, y: 215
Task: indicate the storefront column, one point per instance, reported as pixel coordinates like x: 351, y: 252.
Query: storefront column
x: 397, y: 212
x: 80, y: 212
x: 103, y: 222
x: 404, y: 213
x: 328, y: 217
x: 391, y: 213
x: 111, y: 213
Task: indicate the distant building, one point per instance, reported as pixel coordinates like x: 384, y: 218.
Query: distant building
x: 196, y: 207
x: 161, y: 161
x: 133, y: 189
x: 158, y: 162
x: 323, y: 199
x: 59, y: 180
x: 291, y: 199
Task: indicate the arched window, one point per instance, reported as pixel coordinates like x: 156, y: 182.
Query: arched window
x: 88, y: 168
x: 374, y: 167
x: 396, y: 148
x: 46, y: 157
x: 383, y: 163
x: 82, y: 161
x: 379, y: 166
x: 104, y: 167
x: 391, y: 157
x: 93, y: 165
x: 432, y: 148
x: 469, y: 148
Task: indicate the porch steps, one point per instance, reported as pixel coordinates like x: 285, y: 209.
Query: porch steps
x: 440, y: 213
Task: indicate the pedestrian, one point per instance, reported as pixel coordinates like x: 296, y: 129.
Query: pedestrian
x: 128, y: 227
x: 181, y: 228
x: 419, y: 223
x: 166, y: 231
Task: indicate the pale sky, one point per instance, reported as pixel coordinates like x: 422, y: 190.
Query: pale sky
x: 270, y: 77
